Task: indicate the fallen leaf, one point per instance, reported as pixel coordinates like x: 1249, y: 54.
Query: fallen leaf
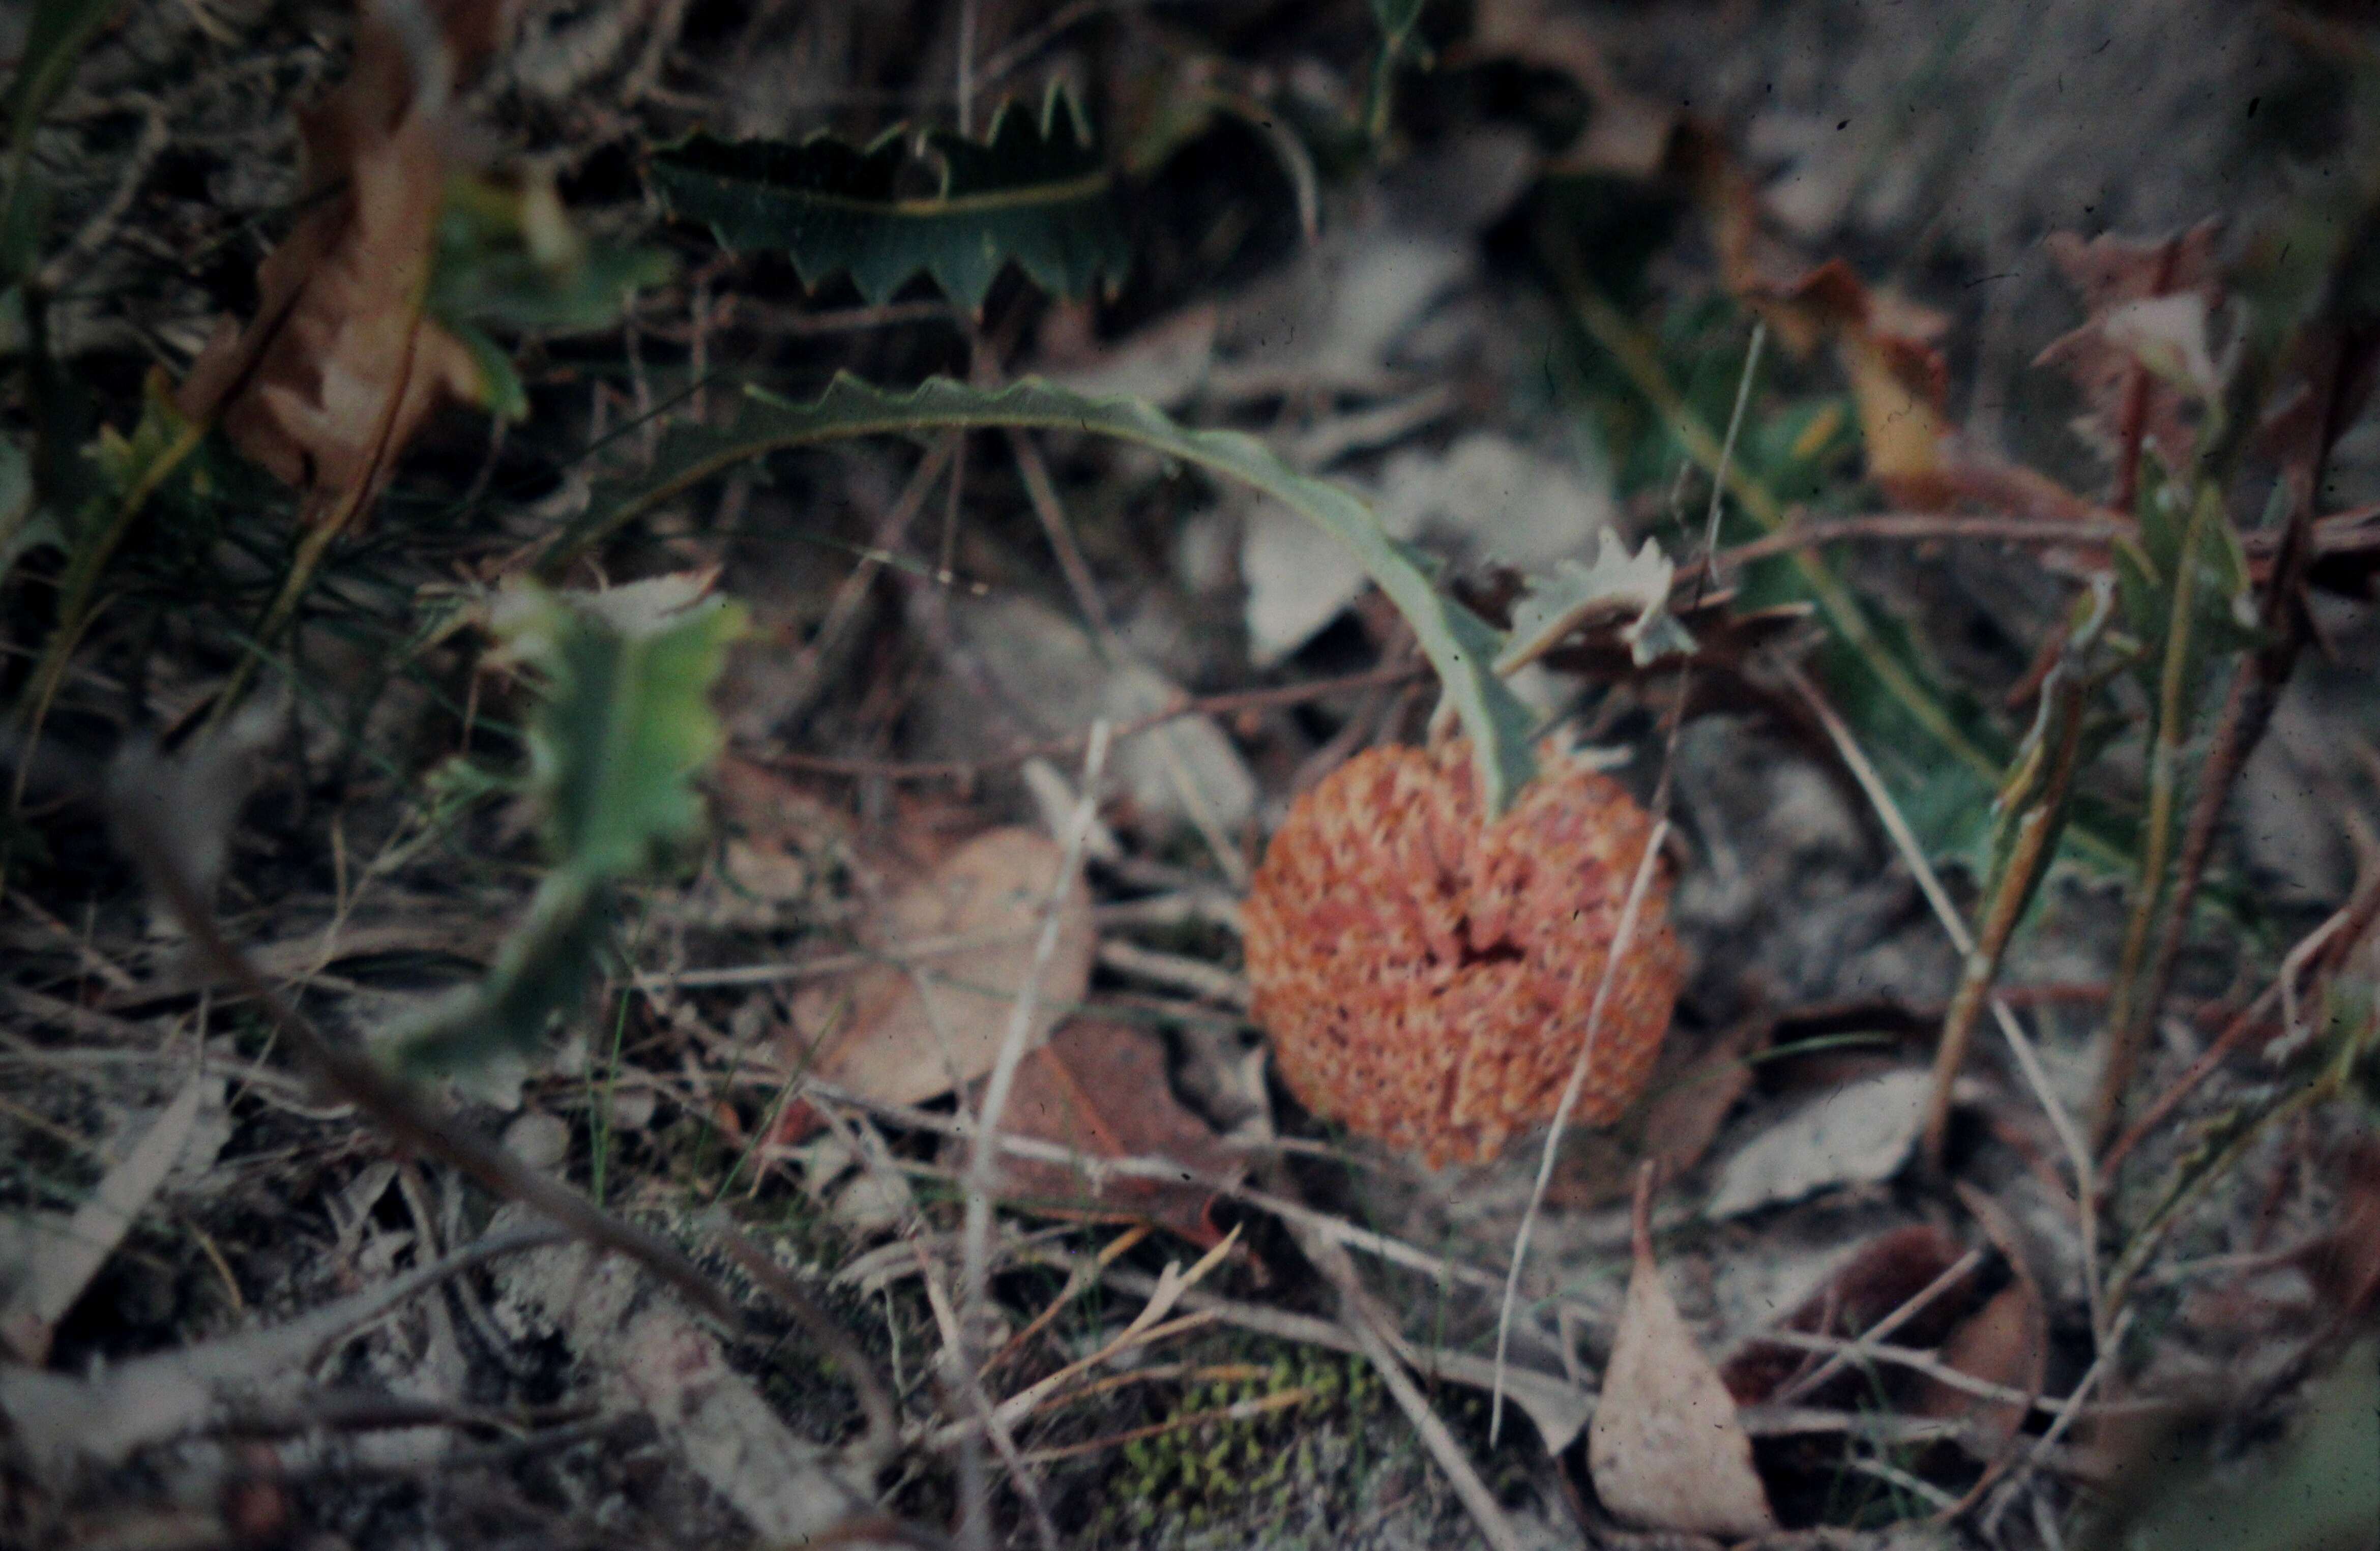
x: 1876, y: 1280
x: 1859, y: 1134
x: 906, y: 1033
x: 1666, y: 1449
x: 2005, y: 1342
x: 330, y: 380
x: 1693, y: 1090
x: 1101, y: 1088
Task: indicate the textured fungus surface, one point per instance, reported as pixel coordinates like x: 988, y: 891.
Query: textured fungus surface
x: 1425, y: 979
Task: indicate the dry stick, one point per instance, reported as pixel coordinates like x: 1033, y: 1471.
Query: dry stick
x: 395, y: 1108
x: 983, y: 1162
x: 2075, y: 1402
x: 1363, y: 1319
x: 1921, y: 527
x: 1622, y: 941
x: 2247, y: 712
x: 2347, y: 923
x: 2028, y: 1061
x: 1624, y: 937
x: 810, y: 666
x: 2034, y: 797
x: 1958, y: 1271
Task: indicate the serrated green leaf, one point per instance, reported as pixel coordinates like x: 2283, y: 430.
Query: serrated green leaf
x: 1618, y: 582
x: 1460, y: 645
x: 1034, y: 192
x: 622, y: 728
x: 624, y: 722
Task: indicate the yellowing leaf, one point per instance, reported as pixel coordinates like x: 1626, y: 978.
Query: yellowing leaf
x: 1666, y: 1450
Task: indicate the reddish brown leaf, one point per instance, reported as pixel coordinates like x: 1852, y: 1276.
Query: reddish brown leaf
x: 1101, y: 1089
x: 337, y: 369
x: 1876, y: 1280
x: 2005, y: 1342
x: 908, y: 1031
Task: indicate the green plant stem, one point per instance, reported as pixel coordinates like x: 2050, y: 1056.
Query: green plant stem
x: 2034, y: 830
x: 2128, y: 1012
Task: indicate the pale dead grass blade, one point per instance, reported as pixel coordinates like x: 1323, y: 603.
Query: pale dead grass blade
x: 70, y: 1253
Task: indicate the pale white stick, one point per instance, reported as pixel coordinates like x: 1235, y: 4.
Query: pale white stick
x: 1622, y: 941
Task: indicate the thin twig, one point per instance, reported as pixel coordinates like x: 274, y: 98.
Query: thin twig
x: 1051, y: 512
x: 1622, y: 941
x: 1958, y: 1271
x: 395, y: 1108
x: 983, y: 1162
x: 1923, y: 526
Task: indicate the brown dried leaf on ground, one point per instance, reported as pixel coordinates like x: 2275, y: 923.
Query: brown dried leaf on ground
x: 959, y: 947
x: 1666, y: 1450
x: 1693, y: 1089
x: 1884, y: 342
x: 2122, y: 285
x: 1874, y: 1281
x: 338, y: 369
x: 1101, y: 1088
x: 2005, y: 1342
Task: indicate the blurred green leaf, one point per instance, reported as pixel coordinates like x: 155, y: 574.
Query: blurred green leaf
x: 2317, y: 1489
x: 622, y: 728
x: 1035, y: 191
x: 1460, y: 645
x: 510, y: 258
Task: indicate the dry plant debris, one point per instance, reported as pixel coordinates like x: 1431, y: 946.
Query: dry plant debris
x: 331, y: 379
x: 958, y: 946
x: 1426, y: 975
x: 1666, y: 1449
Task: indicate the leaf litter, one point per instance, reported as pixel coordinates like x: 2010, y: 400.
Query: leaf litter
x: 1465, y: 419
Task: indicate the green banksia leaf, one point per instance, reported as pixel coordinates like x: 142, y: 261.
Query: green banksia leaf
x: 1460, y: 645
x: 622, y: 728
x: 1034, y: 191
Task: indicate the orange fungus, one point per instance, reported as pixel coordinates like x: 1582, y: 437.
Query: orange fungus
x: 1426, y: 978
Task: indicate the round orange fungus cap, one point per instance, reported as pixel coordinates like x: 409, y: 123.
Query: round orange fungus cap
x: 1426, y: 978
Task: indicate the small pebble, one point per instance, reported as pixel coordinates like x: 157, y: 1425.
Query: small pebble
x: 538, y: 1139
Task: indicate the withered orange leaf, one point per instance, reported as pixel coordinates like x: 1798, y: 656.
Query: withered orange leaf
x: 1101, y: 1088
x: 331, y: 379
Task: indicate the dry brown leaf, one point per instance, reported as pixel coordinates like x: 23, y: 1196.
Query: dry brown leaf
x: 1693, y: 1089
x: 338, y: 369
x: 1101, y: 1088
x: 1899, y: 380
x: 1873, y: 1281
x: 2005, y: 1342
x: 904, y: 1033
x: 1666, y: 1449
